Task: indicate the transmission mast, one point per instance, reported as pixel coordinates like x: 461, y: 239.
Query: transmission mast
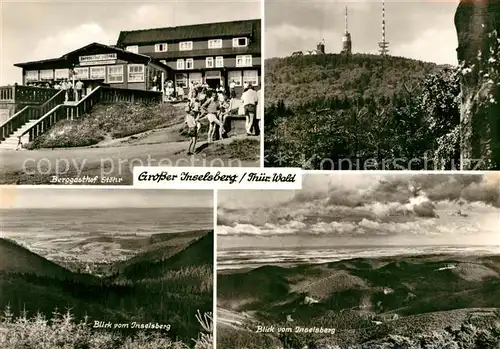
x: 383, y: 45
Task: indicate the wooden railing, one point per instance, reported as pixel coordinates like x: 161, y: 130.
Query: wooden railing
x: 29, y: 113
x: 25, y: 94
x: 7, y: 93
x: 76, y: 111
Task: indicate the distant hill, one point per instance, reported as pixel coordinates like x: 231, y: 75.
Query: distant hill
x: 299, y: 80
x: 17, y: 259
x: 367, y: 299
x: 163, y: 257
x: 166, y: 283
x: 364, y: 112
x: 158, y: 247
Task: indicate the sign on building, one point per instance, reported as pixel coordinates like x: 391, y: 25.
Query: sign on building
x: 104, y: 58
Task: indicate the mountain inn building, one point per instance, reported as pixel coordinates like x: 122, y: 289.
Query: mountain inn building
x: 212, y: 53
x: 98, y: 65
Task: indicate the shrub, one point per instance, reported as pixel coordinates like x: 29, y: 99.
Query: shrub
x: 62, y: 331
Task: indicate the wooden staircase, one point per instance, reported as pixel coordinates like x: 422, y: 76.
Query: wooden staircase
x: 31, y: 122
x: 15, y: 140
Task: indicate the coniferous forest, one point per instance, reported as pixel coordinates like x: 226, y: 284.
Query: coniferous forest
x: 156, y: 299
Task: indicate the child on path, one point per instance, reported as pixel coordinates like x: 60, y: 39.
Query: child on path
x: 193, y: 126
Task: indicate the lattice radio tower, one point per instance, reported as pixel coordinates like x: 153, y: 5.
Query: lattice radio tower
x: 346, y: 39
x: 383, y: 45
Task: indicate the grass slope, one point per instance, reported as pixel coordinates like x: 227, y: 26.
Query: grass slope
x: 108, y: 121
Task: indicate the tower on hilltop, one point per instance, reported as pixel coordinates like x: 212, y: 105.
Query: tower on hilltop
x: 383, y: 45
x: 320, y: 48
x: 346, y: 39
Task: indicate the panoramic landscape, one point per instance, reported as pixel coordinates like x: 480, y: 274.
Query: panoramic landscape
x: 106, y: 269
x: 367, y: 85
x: 361, y: 261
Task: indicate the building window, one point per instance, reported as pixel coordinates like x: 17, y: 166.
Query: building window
x: 215, y: 43
x: 135, y: 73
x: 185, y: 45
x: 98, y: 73
x: 180, y: 64
x: 209, y: 62
x: 235, y: 76
x: 32, y: 75
x: 251, y: 77
x: 81, y: 73
x: 46, y: 74
x: 219, y: 62
x: 189, y: 63
x: 161, y: 47
x: 240, y: 42
x: 195, y: 77
x: 115, y: 74
x: 244, y: 61
x: 181, y: 80
x: 62, y: 74
x: 133, y: 48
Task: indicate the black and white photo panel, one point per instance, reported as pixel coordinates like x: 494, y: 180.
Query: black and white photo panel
x: 91, y: 89
x: 96, y: 269
x: 382, y: 84
x: 355, y: 261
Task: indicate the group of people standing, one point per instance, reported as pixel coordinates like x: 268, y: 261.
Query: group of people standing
x: 75, y: 92
x: 174, y: 92
x: 213, y: 105
x: 72, y: 93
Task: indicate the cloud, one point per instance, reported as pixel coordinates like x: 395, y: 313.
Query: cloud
x: 289, y: 38
x: 71, y: 39
x: 398, y: 204
x: 436, y: 45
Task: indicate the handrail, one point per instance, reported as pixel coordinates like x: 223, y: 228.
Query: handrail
x: 44, y: 105
x: 25, y: 94
x: 101, y: 93
x: 15, y: 115
x: 27, y: 113
x: 53, y: 110
x: 31, y: 107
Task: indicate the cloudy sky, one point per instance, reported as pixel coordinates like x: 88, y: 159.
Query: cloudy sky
x: 33, y: 30
x: 353, y: 208
x: 416, y: 29
x: 74, y: 198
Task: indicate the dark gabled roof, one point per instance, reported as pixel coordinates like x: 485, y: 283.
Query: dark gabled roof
x: 45, y: 62
x: 189, y: 32
x: 94, y: 48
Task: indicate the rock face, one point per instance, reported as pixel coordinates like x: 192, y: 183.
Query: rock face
x: 478, y: 28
